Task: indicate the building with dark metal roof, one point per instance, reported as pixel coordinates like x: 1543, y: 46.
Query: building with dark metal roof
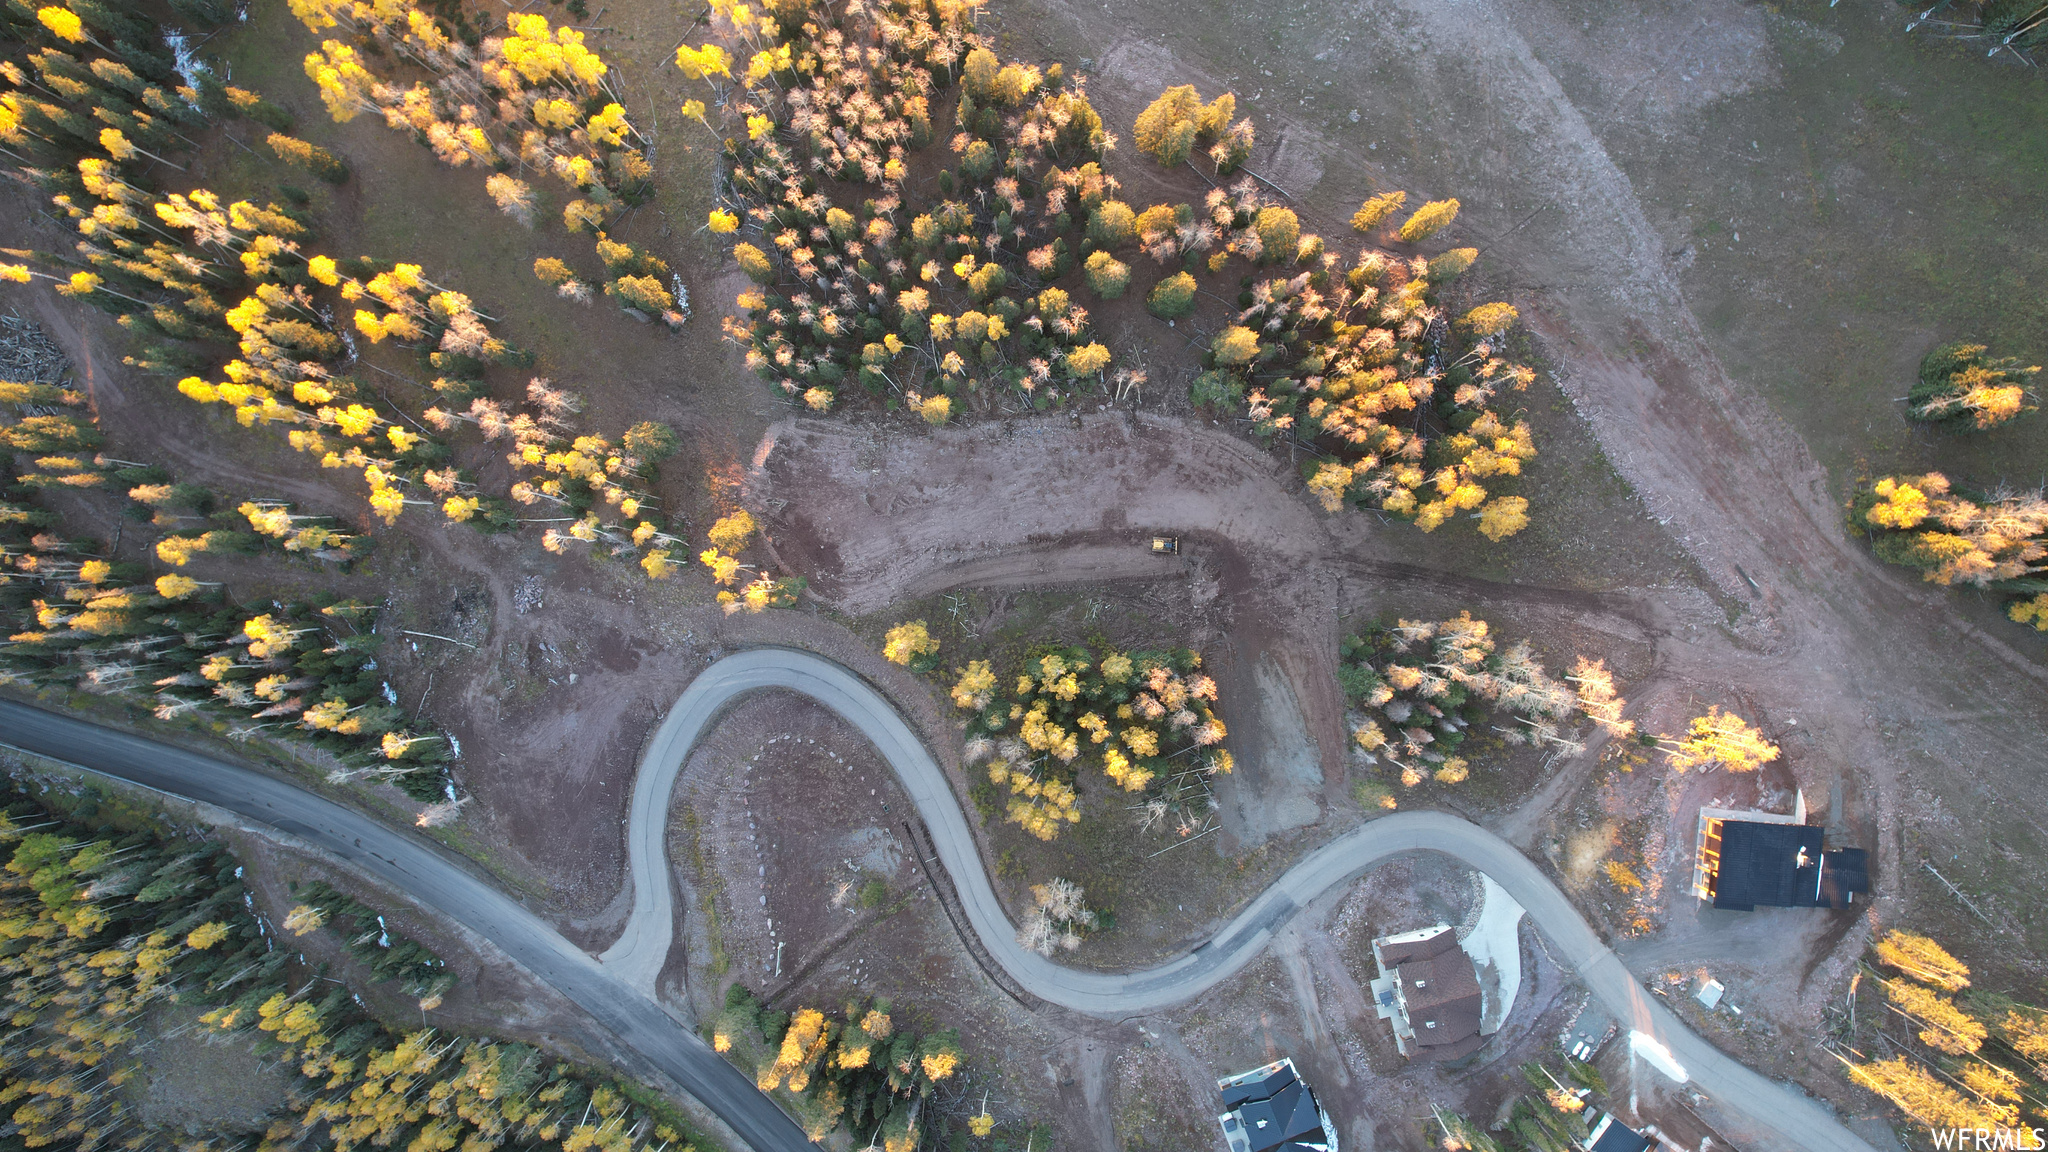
x: 1749, y: 864
x: 1611, y: 1135
x: 1269, y: 1109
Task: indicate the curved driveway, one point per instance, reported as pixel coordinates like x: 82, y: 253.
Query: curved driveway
x: 1793, y: 1118
x: 620, y: 993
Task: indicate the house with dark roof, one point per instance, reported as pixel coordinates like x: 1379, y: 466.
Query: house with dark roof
x: 1269, y: 1109
x: 1610, y: 1135
x: 1747, y: 860
x: 1428, y: 993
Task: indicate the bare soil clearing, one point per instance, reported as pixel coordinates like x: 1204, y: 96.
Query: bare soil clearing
x: 186, y: 1084
x: 867, y: 504
x: 946, y: 526
x: 801, y: 880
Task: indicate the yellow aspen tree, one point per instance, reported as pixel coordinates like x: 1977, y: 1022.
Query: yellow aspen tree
x: 754, y: 263
x: 978, y: 73
x: 1235, y: 345
x: 2026, y: 1029
x: 1960, y: 385
x: 62, y: 23
x: 1169, y: 126
x: 1328, y: 485
x: 909, y: 642
x: 513, y: 196
x: 120, y: 147
x: 583, y: 216
x: 311, y: 157
x: 177, y: 551
x: 1902, y: 501
x: 703, y: 63
x: 1108, y: 276
x: 304, y: 919
x: 1947, y: 1027
x: 176, y: 587
x: 1719, y: 738
x: 1374, y: 212
x: 1990, y: 1083
x: 733, y: 532
x: 1922, y: 959
x: 1489, y: 319
x: 344, y: 84
x: 1279, y: 234
x: 2033, y: 610
x: 724, y: 569
x: 1429, y: 220
x: 1598, y: 698
x: 1503, y: 516
x: 976, y: 687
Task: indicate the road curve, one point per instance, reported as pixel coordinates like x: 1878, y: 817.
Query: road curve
x: 618, y: 991
x: 1796, y: 1120
x: 433, y: 877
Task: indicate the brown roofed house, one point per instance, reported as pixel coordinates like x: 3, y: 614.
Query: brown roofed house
x: 1429, y: 993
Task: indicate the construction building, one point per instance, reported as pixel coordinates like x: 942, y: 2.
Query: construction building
x: 1269, y: 1109
x: 1608, y: 1134
x: 1747, y: 860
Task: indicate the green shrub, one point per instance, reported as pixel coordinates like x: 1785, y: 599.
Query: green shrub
x: 1173, y: 297
x: 1112, y: 223
x: 1451, y: 265
x: 1372, y: 795
x: 1218, y: 390
x: 1108, y: 275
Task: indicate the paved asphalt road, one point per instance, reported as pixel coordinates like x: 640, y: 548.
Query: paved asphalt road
x: 637, y: 956
x: 435, y: 878
x: 620, y: 993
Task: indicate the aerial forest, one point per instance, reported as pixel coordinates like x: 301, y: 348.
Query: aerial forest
x: 926, y: 227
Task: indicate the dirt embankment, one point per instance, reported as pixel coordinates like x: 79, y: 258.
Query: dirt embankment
x: 868, y: 506
x: 877, y: 516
